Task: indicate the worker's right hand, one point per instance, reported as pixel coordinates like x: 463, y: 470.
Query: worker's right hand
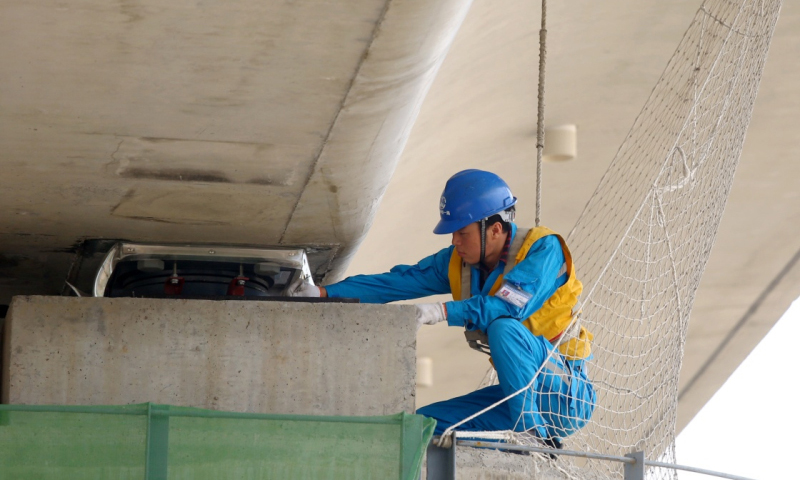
x: 303, y: 289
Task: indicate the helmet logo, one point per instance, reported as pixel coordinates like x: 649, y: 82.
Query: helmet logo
x: 442, y: 204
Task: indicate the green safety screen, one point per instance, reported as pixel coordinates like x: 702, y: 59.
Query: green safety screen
x: 160, y: 442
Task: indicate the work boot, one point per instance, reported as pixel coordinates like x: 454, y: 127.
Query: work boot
x: 553, y: 442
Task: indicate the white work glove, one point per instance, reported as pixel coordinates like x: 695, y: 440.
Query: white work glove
x: 303, y: 289
x: 430, y: 313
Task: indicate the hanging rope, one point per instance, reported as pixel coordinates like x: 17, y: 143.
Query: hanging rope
x: 540, y: 118
x: 445, y: 437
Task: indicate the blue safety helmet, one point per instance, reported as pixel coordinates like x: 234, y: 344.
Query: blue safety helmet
x: 471, y: 196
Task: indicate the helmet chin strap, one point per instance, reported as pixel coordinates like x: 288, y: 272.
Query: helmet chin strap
x: 483, y: 240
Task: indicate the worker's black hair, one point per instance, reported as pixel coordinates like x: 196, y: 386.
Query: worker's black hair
x: 496, y: 218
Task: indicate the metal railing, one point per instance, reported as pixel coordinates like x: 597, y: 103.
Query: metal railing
x: 442, y: 461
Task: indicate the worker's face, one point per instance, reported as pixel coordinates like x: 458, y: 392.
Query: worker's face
x: 468, y: 242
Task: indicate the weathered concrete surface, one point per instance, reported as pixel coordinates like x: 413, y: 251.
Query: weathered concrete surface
x: 161, y: 122
x: 268, y: 357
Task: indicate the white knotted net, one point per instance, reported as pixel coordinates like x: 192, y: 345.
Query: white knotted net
x: 643, y: 241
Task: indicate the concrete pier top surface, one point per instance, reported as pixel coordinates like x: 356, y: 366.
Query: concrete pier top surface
x: 244, y: 356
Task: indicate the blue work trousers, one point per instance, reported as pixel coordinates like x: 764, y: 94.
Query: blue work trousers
x: 559, y: 402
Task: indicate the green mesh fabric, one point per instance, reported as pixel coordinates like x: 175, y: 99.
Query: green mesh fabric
x: 149, y: 441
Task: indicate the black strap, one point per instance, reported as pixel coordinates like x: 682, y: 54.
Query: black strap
x: 477, y: 340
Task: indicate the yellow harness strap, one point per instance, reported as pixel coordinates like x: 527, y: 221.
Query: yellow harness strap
x: 553, y: 318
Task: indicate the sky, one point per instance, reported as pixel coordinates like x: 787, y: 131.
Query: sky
x: 750, y: 427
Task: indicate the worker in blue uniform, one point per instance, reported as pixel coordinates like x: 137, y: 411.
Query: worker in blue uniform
x: 516, y: 286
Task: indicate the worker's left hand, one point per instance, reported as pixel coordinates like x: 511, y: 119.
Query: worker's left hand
x: 430, y: 313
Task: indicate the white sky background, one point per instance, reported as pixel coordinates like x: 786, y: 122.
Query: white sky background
x: 751, y: 426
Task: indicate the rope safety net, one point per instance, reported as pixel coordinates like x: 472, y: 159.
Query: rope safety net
x: 644, y: 238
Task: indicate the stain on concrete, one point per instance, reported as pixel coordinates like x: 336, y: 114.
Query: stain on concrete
x: 175, y: 222
x: 129, y: 195
x: 210, y: 204
x: 9, y: 260
x: 266, y: 181
x: 168, y: 140
x: 176, y: 175
x: 199, y: 160
x: 131, y: 10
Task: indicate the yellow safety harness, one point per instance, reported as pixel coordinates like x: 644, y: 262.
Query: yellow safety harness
x: 553, y: 320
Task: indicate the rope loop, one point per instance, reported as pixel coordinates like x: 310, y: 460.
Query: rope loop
x: 540, y: 114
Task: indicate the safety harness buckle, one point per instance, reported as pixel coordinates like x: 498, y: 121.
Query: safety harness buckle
x: 477, y: 340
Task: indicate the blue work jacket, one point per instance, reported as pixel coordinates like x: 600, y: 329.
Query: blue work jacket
x: 537, y: 274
